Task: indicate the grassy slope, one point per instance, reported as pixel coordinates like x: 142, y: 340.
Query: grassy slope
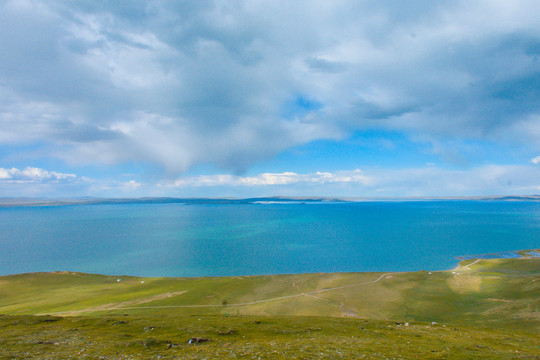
x: 499, y: 297
x: 499, y: 291
x: 251, y: 337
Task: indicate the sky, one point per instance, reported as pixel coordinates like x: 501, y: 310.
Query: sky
x: 261, y: 98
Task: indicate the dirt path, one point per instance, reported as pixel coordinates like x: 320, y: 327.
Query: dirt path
x: 118, y: 305
x: 311, y: 293
x: 471, y: 264
x: 126, y: 304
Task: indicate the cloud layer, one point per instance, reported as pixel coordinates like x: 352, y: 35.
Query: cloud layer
x: 425, y: 181
x: 269, y: 179
x: 225, y: 83
x: 368, y: 182
x: 34, y: 175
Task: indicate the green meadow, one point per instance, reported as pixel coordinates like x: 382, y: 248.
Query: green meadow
x: 482, y: 309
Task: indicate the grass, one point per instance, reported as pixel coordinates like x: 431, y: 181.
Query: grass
x: 252, y: 337
x: 483, y: 309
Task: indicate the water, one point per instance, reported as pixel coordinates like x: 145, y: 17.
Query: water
x: 222, y: 240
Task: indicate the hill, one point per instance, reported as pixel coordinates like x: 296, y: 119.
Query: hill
x: 486, y: 308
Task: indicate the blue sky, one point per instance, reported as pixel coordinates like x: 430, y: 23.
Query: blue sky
x: 260, y: 98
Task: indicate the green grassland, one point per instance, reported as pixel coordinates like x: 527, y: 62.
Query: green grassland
x: 253, y: 337
x: 483, y: 309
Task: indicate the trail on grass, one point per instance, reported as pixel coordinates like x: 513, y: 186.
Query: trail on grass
x: 119, y: 305
x: 471, y: 264
x: 125, y: 305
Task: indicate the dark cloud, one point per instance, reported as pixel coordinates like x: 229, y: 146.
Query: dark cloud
x: 183, y: 83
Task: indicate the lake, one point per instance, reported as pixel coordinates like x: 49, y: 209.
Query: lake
x: 252, y: 239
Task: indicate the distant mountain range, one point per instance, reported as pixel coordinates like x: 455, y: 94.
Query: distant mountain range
x: 22, y: 201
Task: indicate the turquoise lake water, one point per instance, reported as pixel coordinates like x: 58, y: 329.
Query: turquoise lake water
x: 222, y: 240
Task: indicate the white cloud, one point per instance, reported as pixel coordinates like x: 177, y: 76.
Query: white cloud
x: 34, y: 175
x: 180, y: 84
x: 430, y: 180
x: 536, y: 160
x: 425, y: 181
x: 132, y: 184
x: 269, y: 179
x: 38, y: 182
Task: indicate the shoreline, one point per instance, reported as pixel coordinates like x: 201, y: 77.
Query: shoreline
x: 511, y: 254
x: 13, y: 202
x: 495, y: 286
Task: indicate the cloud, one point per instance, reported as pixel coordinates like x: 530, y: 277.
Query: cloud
x: 34, y: 175
x: 536, y: 160
x: 33, y: 181
x: 430, y: 180
x: 266, y: 179
x: 424, y: 181
x: 132, y: 184
x: 435, y: 181
x: 177, y: 84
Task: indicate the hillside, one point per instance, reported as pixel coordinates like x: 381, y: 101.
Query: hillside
x: 489, y: 291
x: 487, y: 308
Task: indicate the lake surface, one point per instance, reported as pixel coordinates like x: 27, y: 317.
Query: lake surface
x: 222, y: 240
